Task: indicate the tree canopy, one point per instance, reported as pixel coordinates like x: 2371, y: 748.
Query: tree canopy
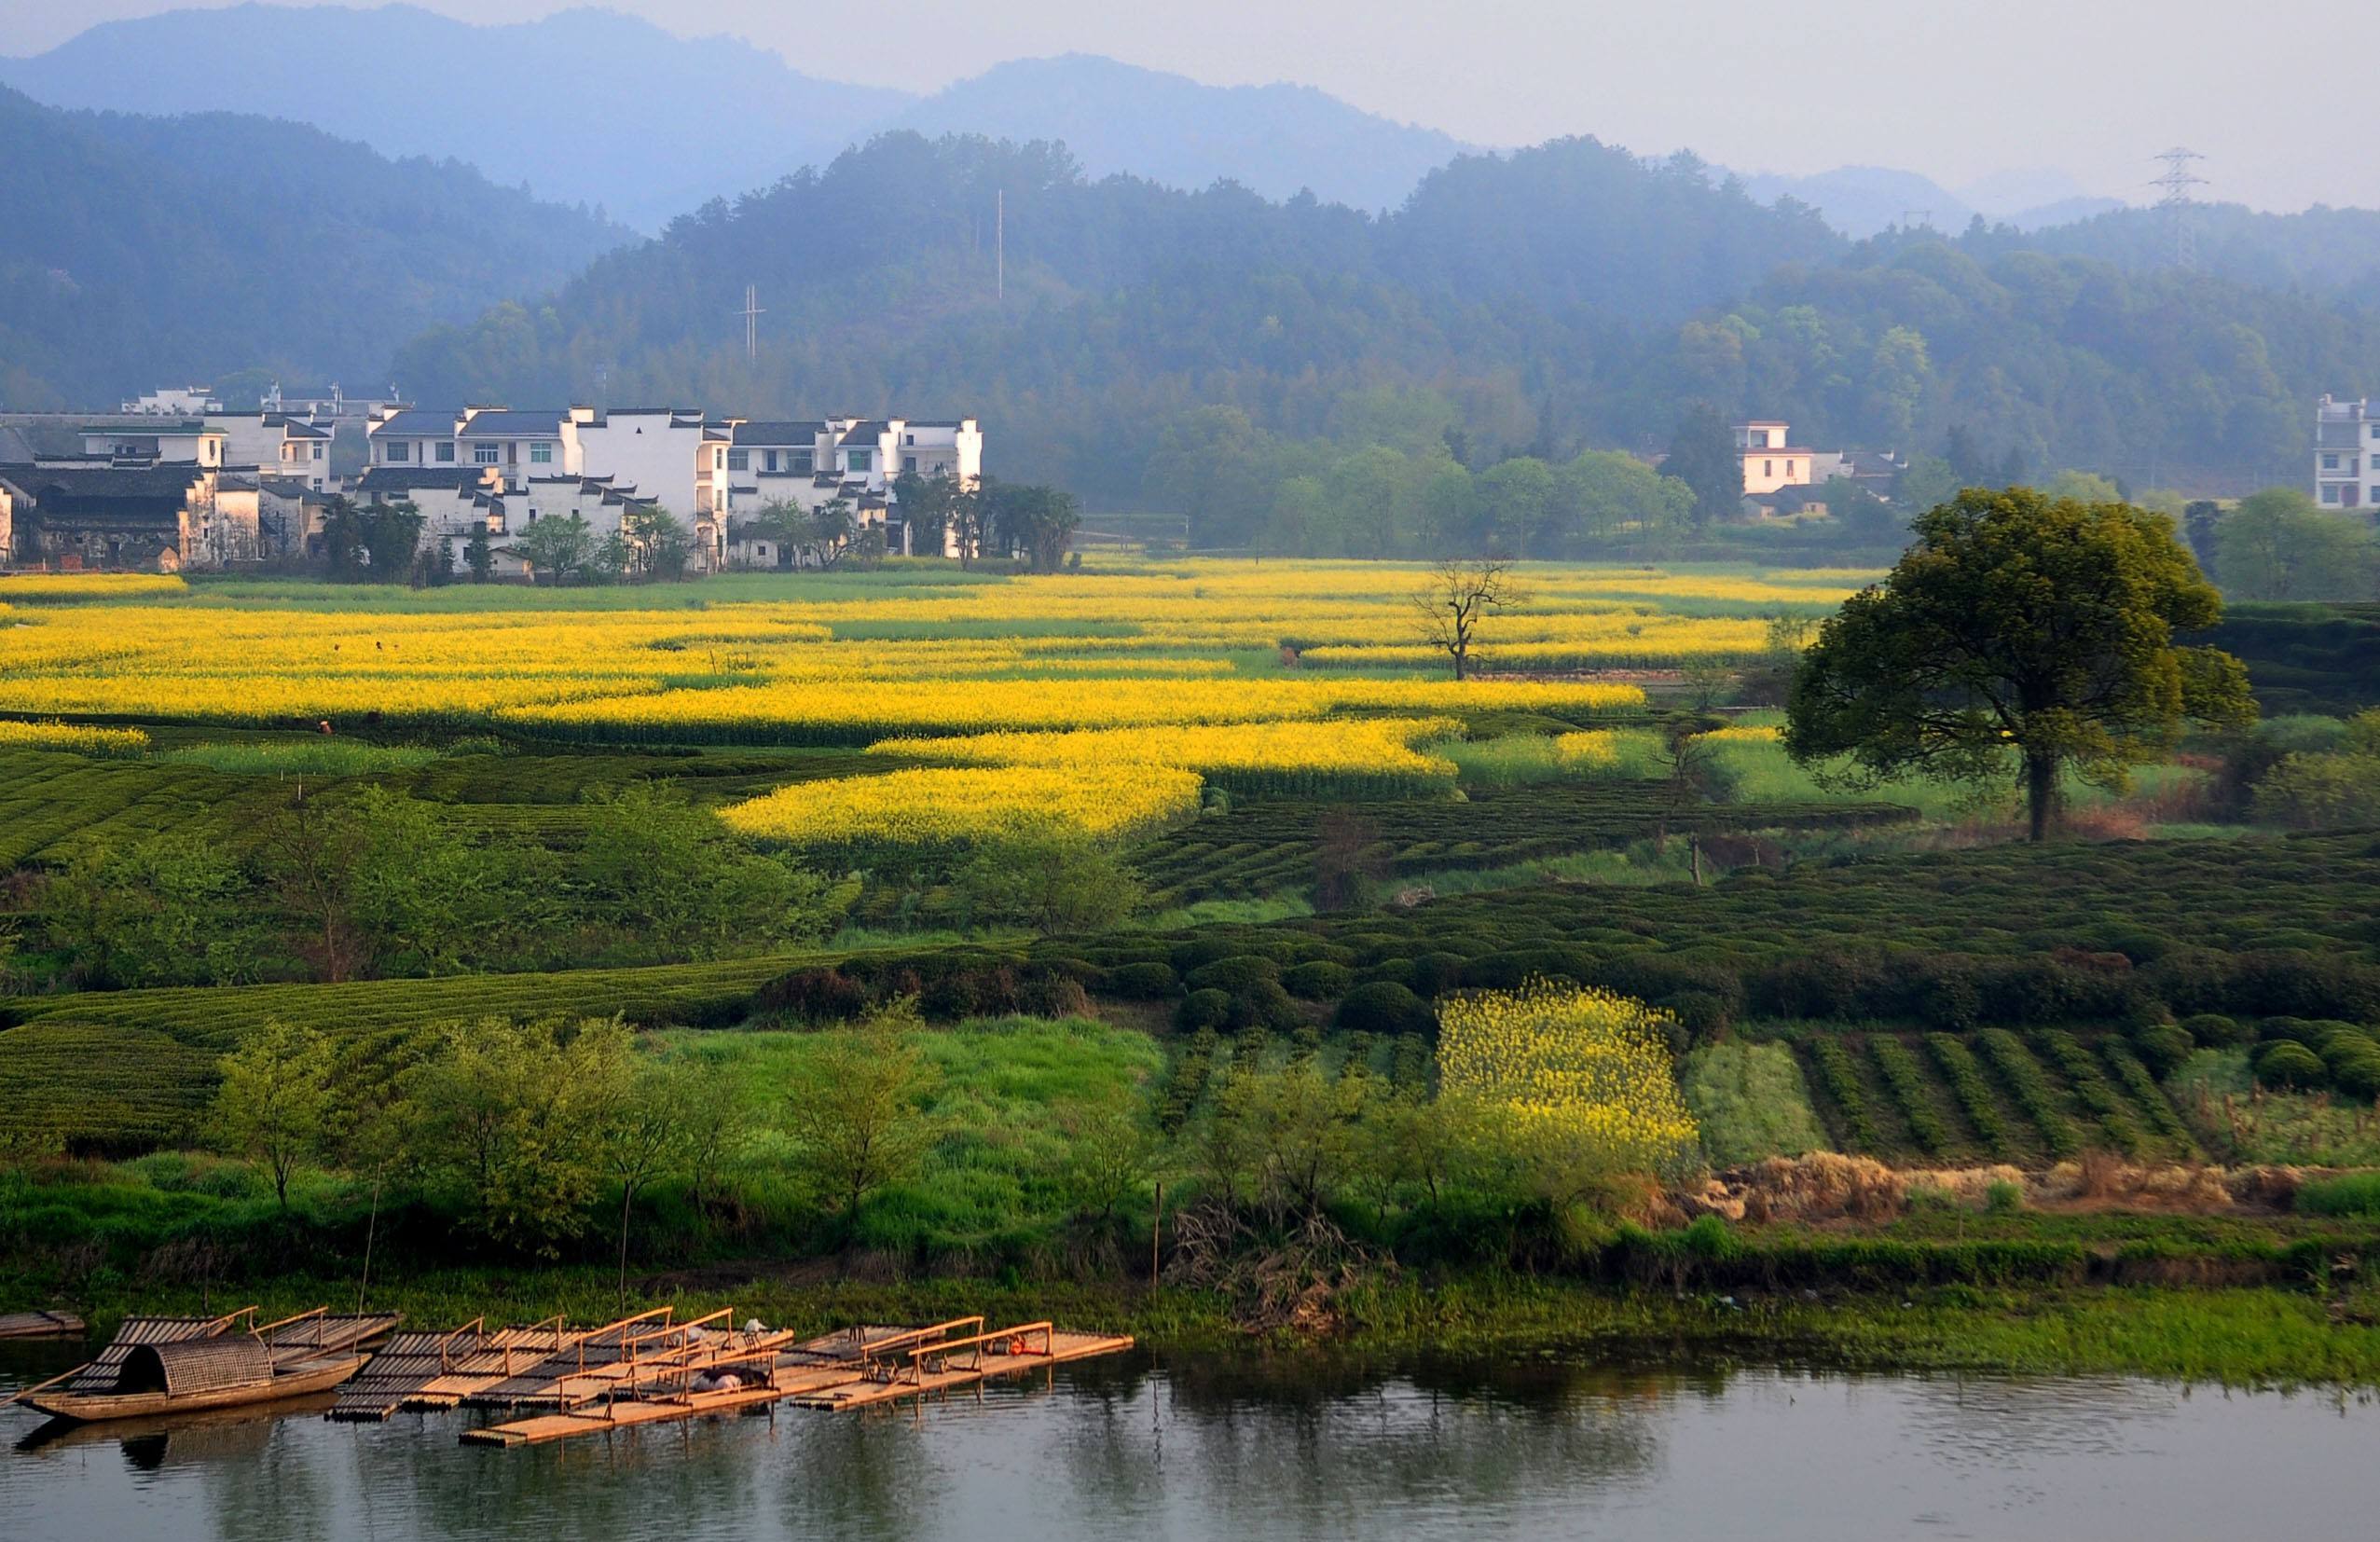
x: 2019, y: 633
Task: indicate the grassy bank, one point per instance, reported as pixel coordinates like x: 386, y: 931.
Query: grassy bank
x: 2230, y: 1337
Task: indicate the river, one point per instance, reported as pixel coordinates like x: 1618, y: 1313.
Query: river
x: 1243, y: 1447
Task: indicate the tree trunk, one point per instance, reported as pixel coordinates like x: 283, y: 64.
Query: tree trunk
x: 371, y: 1228
x: 2040, y: 792
x: 627, y: 1197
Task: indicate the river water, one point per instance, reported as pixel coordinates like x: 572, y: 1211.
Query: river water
x: 1242, y: 1447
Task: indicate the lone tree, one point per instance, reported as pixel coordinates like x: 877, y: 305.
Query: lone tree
x: 1704, y: 457
x: 1460, y: 595
x: 274, y: 1105
x: 2019, y: 625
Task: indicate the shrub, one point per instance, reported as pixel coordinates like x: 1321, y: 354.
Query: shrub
x: 1318, y: 980
x: 813, y: 995
x: 2164, y: 1048
x: 1145, y: 982
x: 1203, y: 1009
x: 1395, y: 971
x: 2213, y: 1030
x: 1436, y: 974
x: 2286, y: 1062
x: 2354, y: 1072
x: 1703, y: 1014
x: 1240, y: 972
x: 2351, y: 1194
x: 1264, y: 1004
x: 1384, y: 1008
x: 2003, y: 1196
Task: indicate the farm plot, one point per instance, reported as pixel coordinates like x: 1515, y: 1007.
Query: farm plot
x: 1267, y: 847
x: 1993, y: 1096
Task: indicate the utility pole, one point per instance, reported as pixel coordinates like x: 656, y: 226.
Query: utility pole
x: 2176, y: 181
x: 751, y: 314
x: 1924, y: 219
x: 1000, y: 244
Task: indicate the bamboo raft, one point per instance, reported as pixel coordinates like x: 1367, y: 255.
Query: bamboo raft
x: 679, y: 1372
x: 40, y: 1324
x: 175, y: 1365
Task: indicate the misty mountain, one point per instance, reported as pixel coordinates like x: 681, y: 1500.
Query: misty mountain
x: 2331, y: 250
x: 1520, y: 304
x: 1864, y: 201
x: 138, y: 250
x: 585, y: 106
x: 1276, y: 140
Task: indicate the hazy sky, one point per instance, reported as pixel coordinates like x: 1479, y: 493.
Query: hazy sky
x: 1955, y: 89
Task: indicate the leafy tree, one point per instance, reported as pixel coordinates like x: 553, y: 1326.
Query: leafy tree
x: 2280, y: 544
x: 645, y: 1133
x: 659, y: 543
x: 2199, y: 522
x: 508, y: 1115
x: 478, y: 555
x: 1056, y: 888
x: 1926, y: 482
x: 561, y: 547
x: 307, y: 849
x: 857, y: 1114
x: 167, y: 911
x: 1520, y: 496
x: 1604, y: 492
x: 969, y: 517
x: 2019, y: 625
x: 1036, y: 520
x: 423, y: 897
x: 1703, y: 456
x: 1459, y: 596
x: 1110, y: 1154
x: 655, y: 866
x: 926, y: 503
x: 2083, y: 486
x: 275, y: 1104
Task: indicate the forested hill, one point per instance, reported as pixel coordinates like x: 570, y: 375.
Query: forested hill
x: 1535, y: 302
x: 138, y: 250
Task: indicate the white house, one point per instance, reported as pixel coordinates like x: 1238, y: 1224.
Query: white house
x: 180, y: 442
x: 2346, y: 454
x: 810, y: 462
x: 276, y: 445
x: 175, y: 401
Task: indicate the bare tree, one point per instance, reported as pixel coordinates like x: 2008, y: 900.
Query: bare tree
x: 1460, y: 595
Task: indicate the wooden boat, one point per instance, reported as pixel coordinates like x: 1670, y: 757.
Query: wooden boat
x: 177, y: 1365
x: 39, y: 1325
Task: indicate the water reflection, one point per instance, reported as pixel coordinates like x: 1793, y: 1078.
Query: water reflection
x: 1249, y: 1447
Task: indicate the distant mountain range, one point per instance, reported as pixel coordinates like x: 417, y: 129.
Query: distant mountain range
x: 141, y: 251
x: 1866, y: 200
x: 1274, y: 140
x: 590, y: 106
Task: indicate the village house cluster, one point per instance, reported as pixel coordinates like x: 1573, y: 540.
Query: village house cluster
x: 174, y: 481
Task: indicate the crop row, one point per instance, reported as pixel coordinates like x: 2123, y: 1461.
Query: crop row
x: 1989, y: 1096
x: 1267, y: 847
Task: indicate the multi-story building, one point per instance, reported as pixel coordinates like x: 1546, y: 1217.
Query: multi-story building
x: 807, y: 462
x: 174, y: 402
x: 2346, y: 454
x: 276, y: 443
x: 1770, y: 461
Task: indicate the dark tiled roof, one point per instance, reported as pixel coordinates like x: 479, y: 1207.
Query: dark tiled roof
x: 399, y: 478
x: 415, y: 422
x: 868, y: 429
x: 103, y: 481
x: 779, y: 433
x: 501, y: 420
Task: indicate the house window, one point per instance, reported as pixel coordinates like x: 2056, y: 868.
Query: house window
x: 803, y: 462
x: 739, y: 460
x: 540, y: 453
x: 1789, y: 471
x: 2329, y: 495
x: 768, y: 458
x: 909, y: 440
x: 318, y: 452
x: 909, y: 464
x: 395, y: 452
x: 862, y: 460
x: 1767, y: 468
x: 482, y: 455
x: 2329, y: 462
x: 446, y: 451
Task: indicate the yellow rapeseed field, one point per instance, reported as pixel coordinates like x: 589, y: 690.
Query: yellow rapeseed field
x: 1358, y: 757
x: 1568, y: 1077
x: 81, y: 739
x: 939, y: 808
